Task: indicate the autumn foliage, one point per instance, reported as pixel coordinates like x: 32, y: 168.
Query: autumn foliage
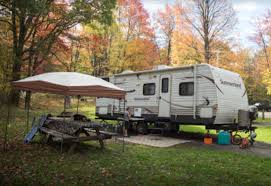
x: 75, y: 36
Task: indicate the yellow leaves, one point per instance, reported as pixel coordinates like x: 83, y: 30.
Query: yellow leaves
x: 235, y: 61
x: 267, y: 80
x: 105, y: 172
x: 185, y: 49
x: 137, y: 54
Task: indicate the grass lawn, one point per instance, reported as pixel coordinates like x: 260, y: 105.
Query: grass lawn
x: 138, y: 165
x: 266, y: 120
x: 185, y: 164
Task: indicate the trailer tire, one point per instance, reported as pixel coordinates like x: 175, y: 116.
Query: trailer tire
x: 142, y: 128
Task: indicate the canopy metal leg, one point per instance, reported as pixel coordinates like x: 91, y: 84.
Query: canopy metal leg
x: 123, y: 125
x: 78, y: 98
x: 6, y: 127
x: 27, y: 106
x: 27, y: 118
x: 64, y: 103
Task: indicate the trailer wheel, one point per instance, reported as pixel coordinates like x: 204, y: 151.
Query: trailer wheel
x: 174, y: 128
x: 142, y: 128
x: 236, y: 139
x: 177, y: 128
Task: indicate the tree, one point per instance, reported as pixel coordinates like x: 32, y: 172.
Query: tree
x: 132, y: 26
x: 141, y: 54
x: 133, y: 19
x: 185, y: 49
x: 36, y: 25
x: 5, y: 63
x: 211, y: 20
x: 262, y: 37
x: 98, y: 41
x: 69, y: 54
x: 168, y: 20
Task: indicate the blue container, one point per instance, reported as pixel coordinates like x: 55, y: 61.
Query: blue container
x: 224, y: 138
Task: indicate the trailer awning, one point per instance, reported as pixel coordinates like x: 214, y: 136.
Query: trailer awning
x: 70, y: 84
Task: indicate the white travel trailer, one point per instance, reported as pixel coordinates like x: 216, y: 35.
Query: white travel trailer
x: 199, y: 94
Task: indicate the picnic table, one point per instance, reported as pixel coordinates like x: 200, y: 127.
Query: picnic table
x: 72, y: 132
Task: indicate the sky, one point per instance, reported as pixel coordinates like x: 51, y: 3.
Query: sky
x: 246, y: 12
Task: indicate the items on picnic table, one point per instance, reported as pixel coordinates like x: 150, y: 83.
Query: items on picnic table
x: 75, y: 117
x: 73, y: 130
x: 68, y: 130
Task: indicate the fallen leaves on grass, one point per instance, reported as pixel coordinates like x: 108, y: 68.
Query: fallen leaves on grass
x: 105, y: 172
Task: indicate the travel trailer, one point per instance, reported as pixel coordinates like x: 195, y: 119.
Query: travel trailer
x: 200, y: 95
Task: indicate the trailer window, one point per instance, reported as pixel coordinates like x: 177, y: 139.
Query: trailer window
x: 149, y: 89
x: 186, y: 89
x: 164, y: 85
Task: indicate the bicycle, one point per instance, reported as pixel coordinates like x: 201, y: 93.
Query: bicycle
x: 236, y: 139
x: 249, y: 140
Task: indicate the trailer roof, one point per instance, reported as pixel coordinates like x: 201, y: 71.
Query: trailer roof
x: 161, y: 70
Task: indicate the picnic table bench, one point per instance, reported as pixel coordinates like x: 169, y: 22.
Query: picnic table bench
x: 56, y: 134
x: 103, y: 132
x: 68, y: 131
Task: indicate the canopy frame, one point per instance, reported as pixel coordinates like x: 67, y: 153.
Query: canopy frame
x: 55, y: 83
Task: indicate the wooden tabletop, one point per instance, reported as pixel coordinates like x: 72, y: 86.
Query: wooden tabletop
x: 60, y: 118
x: 131, y: 119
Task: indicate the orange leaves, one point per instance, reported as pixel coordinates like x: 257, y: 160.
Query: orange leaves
x: 171, y: 19
x: 134, y: 19
x: 141, y: 54
x: 132, y: 43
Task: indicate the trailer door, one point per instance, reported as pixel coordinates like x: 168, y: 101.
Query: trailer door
x: 164, y: 98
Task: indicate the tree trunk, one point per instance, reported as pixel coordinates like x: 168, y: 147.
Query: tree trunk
x: 27, y: 100
x: 206, y: 22
x: 15, y: 96
x: 206, y: 51
x: 169, y: 52
x: 18, y: 45
x: 67, y: 102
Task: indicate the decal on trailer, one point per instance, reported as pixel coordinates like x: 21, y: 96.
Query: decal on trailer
x: 237, y: 85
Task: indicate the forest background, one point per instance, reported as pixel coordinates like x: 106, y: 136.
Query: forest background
x: 106, y: 37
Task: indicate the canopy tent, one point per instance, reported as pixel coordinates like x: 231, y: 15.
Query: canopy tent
x: 70, y: 84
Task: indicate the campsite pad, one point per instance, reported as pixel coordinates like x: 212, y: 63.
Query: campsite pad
x: 154, y: 140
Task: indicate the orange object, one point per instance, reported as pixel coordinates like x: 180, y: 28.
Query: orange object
x: 245, y: 143
x: 208, y: 140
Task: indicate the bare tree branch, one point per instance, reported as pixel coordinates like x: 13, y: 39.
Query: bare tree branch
x: 212, y: 20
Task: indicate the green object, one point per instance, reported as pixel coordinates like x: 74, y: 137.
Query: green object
x: 224, y: 138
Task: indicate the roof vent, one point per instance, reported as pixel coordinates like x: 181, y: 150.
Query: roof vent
x: 160, y: 67
x: 127, y: 71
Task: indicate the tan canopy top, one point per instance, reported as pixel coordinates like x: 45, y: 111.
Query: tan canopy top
x: 70, y: 83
